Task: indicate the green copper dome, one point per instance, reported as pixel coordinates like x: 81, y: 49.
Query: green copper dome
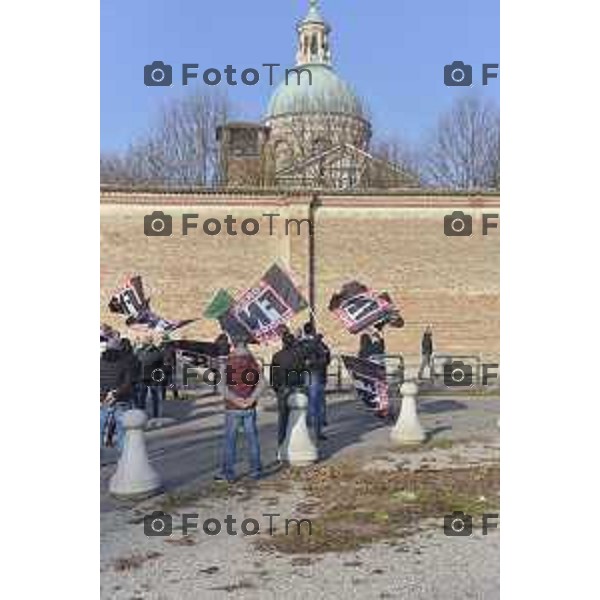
x: 327, y: 94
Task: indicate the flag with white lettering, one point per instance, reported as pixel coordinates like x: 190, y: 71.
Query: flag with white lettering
x: 370, y: 382
x: 131, y: 302
x: 359, y: 307
x: 259, y: 313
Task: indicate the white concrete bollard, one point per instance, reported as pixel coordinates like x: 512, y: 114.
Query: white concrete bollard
x: 407, y: 429
x: 298, y: 448
x: 135, y: 477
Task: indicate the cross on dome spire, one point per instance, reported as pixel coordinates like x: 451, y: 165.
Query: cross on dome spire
x: 313, y: 38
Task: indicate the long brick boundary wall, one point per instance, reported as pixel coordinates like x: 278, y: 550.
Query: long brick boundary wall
x: 393, y: 242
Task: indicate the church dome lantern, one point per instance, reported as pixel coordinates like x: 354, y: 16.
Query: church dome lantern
x: 314, y: 109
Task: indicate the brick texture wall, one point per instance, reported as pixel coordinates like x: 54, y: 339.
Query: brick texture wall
x: 393, y: 243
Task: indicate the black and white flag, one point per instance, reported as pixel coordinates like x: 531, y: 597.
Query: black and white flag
x: 131, y: 302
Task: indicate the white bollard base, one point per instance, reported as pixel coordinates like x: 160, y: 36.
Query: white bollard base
x: 135, y: 478
x: 298, y: 448
x: 408, y: 431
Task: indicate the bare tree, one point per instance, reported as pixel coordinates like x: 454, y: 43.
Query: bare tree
x: 463, y: 152
x: 397, y: 164
x: 181, y: 148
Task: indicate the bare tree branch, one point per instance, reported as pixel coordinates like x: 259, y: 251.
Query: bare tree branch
x: 463, y: 152
x: 179, y: 149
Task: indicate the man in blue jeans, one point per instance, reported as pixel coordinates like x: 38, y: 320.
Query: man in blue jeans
x: 316, y: 360
x: 242, y: 389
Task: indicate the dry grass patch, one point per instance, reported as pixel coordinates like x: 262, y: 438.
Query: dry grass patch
x: 358, y: 507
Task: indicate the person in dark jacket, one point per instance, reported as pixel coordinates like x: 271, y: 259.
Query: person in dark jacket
x: 170, y: 361
x: 222, y: 351
x: 364, y: 346
x: 135, y: 370
x: 117, y: 375
x: 377, y: 344
x: 426, y: 353
x: 286, y: 376
x: 154, y: 377
x: 317, y: 357
x: 371, y: 345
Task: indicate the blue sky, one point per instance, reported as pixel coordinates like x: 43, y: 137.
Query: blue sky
x: 391, y: 51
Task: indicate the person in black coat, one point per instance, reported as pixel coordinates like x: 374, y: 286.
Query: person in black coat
x: 426, y: 353
x: 118, y: 372
x: 286, y: 376
x: 154, y: 377
x: 317, y: 357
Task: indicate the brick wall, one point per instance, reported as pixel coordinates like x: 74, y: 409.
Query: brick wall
x: 393, y: 243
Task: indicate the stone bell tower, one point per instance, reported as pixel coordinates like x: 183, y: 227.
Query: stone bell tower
x: 241, y: 154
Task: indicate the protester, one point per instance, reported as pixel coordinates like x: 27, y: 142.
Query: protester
x: 117, y: 373
x: 169, y: 354
x: 286, y: 377
x: 372, y: 347
x: 317, y: 357
x: 243, y: 387
x: 377, y: 345
x: 154, y: 377
x: 222, y: 350
x: 426, y: 353
x: 135, y: 370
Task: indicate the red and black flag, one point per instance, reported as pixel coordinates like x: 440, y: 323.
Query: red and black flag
x: 259, y: 313
x: 359, y: 307
x: 131, y: 302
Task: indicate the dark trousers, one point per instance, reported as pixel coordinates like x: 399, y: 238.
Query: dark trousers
x: 283, y: 413
x: 155, y: 396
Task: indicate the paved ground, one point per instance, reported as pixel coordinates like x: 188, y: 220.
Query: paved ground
x: 426, y: 566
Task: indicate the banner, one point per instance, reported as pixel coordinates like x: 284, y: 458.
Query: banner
x: 359, y: 307
x: 131, y: 302
x: 370, y: 382
x: 259, y: 313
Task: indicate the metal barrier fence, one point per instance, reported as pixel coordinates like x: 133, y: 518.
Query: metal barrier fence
x: 398, y: 368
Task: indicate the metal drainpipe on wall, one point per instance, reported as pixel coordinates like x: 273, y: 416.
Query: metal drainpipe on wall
x: 314, y: 203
